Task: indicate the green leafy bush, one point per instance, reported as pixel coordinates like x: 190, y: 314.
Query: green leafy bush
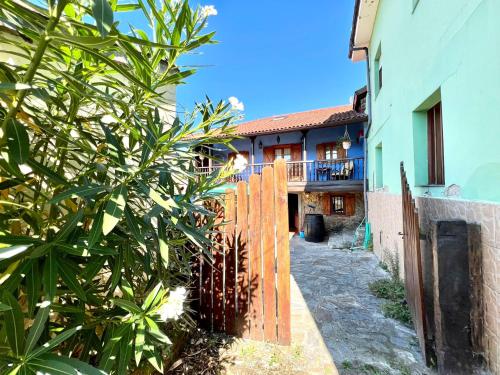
x: 100, y: 200
x: 393, y: 291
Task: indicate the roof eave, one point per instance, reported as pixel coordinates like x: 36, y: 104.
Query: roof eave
x: 328, y: 124
x: 365, y: 12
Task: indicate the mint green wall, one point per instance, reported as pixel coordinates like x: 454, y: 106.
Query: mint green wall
x: 446, y: 48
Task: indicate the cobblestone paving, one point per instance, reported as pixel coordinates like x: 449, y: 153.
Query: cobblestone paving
x: 334, y: 284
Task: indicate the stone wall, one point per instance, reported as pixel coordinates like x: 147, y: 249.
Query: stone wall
x: 333, y: 222
x: 385, y: 217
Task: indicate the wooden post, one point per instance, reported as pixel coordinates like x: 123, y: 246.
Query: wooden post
x: 218, y: 269
x: 268, y: 232
x: 255, y: 248
x: 283, y: 251
x: 243, y: 325
x: 304, y: 155
x: 230, y: 262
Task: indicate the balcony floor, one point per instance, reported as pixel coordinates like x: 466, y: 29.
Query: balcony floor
x: 325, y: 186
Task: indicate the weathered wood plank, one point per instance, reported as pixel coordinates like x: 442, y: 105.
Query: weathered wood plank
x: 230, y: 261
x: 255, y: 249
x: 243, y: 321
x: 268, y: 237
x: 206, y: 294
x: 282, y: 250
x: 218, y: 270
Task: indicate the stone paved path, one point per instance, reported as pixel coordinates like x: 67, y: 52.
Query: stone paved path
x: 334, y: 285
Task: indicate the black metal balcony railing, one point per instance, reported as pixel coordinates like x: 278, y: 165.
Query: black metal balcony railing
x: 305, y: 171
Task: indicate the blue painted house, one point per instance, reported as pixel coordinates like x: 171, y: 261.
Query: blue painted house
x: 323, y: 176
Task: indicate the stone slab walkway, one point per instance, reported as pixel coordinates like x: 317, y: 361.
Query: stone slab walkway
x: 334, y: 286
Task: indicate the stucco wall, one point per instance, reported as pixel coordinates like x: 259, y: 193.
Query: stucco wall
x: 386, y: 239
x: 451, y: 45
x: 314, y: 137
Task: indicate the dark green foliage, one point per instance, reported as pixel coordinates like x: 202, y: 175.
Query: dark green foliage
x: 99, y: 195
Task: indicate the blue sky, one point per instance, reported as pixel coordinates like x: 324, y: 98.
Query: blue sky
x: 276, y: 56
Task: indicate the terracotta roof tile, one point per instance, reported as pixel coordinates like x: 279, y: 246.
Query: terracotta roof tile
x: 317, y: 118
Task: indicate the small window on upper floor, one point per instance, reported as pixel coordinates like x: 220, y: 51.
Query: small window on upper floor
x: 378, y: 70
x: 435, y: 149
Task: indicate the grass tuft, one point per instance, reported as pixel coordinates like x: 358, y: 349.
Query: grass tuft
x: 393, y: 291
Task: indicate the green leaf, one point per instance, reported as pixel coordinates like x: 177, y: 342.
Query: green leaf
x: 103, y: 15
x: 82, y: 367
x: 168, y: 204
x: 162, y: 239
x: 50, y: 276
x: 43, y: 171
x: 71, y: 282
x: 12, y: 251
x: 72, y: 221
x: 108, y: 356
x: 139, y: 342
x: 33, y: 286
x: 95, y: 233
x: 51, y: 367
x: 127, y: 305
x: 14, y: 324
x: 114, y: 145
x: 4, y: 307
x: 114, y: 209
x: 125, y: 351
x: 38, y: 326
x: 152, y: 296
x: 79, y: 191
x: 126, y: 7
x: 18, y: 142
x: 154, y: 358
x: 133, y: 225
x: 7, y: 86
x: 53, y: 343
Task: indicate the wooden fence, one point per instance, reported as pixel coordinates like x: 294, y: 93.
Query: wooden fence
x: 245, y: 291
x: 414, y: 283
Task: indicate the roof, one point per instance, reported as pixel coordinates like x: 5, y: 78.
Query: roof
x: 318, y: 118
x: 353, y: 27
x: 363, y: 21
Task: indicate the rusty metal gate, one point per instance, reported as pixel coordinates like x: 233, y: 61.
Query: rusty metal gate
x: 414, y: 284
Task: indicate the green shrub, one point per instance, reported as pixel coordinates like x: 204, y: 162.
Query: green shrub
x: 100, y: 201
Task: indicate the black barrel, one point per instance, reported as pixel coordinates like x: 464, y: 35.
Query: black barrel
x: 314, y: 228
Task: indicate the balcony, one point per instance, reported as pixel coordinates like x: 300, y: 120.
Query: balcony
x: 310, y: 175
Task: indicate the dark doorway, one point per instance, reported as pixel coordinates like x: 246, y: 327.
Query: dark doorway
x: 293, y: 212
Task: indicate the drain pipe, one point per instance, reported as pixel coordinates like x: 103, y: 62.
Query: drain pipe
x: 365, y: 143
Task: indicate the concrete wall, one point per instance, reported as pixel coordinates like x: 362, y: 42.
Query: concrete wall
x: 387, y: 242
x: 447, y: 48
x: 314, y: 137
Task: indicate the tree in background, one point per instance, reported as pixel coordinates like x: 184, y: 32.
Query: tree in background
x: 100, y: 201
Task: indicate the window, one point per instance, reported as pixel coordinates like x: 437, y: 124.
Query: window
x: 330, y: 152
x: 435, y: 151
x: 379, y: 165
x: 338, y: 205
x: 283, y: 153
x: 378, y: 70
